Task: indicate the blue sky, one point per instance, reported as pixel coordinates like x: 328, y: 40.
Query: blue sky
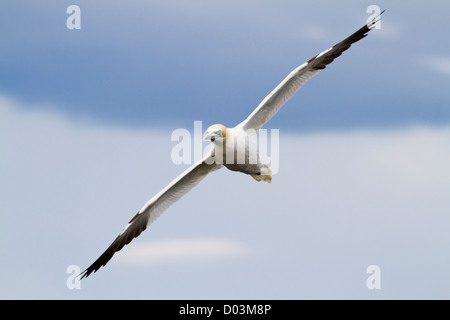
x: 87, y: 115
x: 146, y: 64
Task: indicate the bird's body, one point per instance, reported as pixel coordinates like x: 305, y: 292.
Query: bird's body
x: 237, y: 150
x: 234, y: 148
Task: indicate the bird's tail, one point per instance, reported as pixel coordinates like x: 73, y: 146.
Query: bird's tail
x: 265, y: 175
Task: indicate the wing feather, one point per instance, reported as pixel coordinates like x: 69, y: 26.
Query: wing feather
x: 298, y: 77
x: 153, y: 209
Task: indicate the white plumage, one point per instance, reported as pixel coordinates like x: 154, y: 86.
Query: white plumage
x: 223, y: 139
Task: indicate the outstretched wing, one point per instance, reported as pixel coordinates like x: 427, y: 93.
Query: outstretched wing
x: 298, y: 77
x: 153, y: 209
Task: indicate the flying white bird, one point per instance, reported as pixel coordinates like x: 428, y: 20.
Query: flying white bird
x: 219, y: 135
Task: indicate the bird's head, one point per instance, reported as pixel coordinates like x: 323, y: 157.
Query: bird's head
x: 216, y: 133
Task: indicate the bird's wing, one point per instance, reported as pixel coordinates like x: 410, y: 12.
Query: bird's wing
x: 153, y: 209
x: 298, y: 77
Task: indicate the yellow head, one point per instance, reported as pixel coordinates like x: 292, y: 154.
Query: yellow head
x: 217, y: 132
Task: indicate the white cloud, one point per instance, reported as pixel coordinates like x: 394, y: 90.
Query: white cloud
x: 182, y: 250
x: 341, y: 201
x: 440, y: 64
x: 388, y: 29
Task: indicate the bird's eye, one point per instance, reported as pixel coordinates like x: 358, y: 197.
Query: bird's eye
x: 212, y: 139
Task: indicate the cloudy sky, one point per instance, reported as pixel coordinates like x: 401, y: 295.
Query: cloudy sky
x: 86, y: 118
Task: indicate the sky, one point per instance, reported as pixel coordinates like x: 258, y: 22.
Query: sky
x: 86, y: 118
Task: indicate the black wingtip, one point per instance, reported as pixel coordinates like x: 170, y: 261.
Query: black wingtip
x: 376, y: 19
x: 82, y: 275
x: 85, y: 273
x: 100, y: 262
x: 121, y: 240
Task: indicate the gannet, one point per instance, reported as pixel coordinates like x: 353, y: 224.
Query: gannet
x: 219, y: 135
